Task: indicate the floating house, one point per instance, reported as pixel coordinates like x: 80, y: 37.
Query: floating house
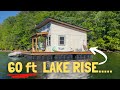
x: 58, y: 36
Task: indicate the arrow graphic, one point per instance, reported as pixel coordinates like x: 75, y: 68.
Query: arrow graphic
x: 93, y: 49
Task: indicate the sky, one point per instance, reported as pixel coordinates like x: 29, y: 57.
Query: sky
x: 6, y: 14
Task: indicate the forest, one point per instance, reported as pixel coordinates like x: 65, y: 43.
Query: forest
x: 104, y: 26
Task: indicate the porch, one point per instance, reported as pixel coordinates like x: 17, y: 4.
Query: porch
x: 36, y: 44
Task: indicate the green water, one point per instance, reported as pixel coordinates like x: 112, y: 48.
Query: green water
x: 113, y: 64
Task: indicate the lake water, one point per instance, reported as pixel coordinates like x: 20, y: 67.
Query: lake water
x: 113, y: 64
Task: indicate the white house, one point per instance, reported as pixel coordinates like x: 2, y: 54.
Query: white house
x: 59, y: 36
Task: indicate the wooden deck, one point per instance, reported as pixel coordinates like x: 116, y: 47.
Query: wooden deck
x: 52, y: 56
x: 55, y: 53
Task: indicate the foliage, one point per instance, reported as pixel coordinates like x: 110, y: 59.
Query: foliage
x: 16, y: 31
x: 41, y: 39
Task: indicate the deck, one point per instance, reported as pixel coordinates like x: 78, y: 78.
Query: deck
x: 57, y: 55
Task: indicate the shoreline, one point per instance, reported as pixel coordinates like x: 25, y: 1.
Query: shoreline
x: 112, y: 51
x: 13, y: 50
x: 30, y: 51
x: 5, y: 51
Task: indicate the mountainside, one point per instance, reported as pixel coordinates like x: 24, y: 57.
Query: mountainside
x: 16, y: 31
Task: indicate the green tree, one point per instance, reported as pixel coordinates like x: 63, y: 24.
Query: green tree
x: 16, y: 31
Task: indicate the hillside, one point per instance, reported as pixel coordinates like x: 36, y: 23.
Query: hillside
x: 16, y: 31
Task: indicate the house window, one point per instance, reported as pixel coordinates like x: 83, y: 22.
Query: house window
x: 44, y: 27
x: 49, y: 40
x: 40, y: 29
x: 61, y: 40
x: 48, y: 25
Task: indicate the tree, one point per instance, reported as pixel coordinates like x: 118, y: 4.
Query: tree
x: 16, y: 31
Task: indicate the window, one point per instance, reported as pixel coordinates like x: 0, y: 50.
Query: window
x: 48, y: 25
x: 40, y: 29
x: 49, y: 40
x: 61, y: 40
x: 43, y: 27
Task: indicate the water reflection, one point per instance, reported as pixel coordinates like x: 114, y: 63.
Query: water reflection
x: 14, y: 58
x: 40, y: 75
x: 112, y: 64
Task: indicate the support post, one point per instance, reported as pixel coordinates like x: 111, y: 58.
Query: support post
x: 36, y: 44
x: 32, y: 45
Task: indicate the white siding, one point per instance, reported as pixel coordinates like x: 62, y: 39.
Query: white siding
x: 74, y: 38
x: 48, y: 48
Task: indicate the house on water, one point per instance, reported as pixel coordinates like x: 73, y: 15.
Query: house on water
x: 54, y: 35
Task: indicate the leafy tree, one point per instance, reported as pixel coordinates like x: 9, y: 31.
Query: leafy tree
x: 16, y: 31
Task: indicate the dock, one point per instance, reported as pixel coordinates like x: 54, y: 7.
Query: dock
x: 52, y: 56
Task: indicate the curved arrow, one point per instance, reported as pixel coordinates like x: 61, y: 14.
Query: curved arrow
x: 93, y: 49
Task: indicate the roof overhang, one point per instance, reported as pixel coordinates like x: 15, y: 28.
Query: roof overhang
x: 40, y: 34
x: 44, y: 22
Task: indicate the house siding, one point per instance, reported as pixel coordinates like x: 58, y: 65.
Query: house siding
x: 74, y: 38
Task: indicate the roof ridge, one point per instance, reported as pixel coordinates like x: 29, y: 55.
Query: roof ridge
x: 61, y: 22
